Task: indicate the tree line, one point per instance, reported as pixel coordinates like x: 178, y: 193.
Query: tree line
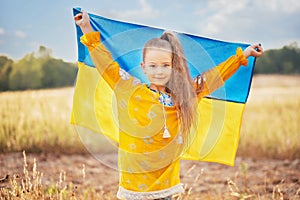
x: 35, y: 71
x: 39, y: 70
x: 279, y: 61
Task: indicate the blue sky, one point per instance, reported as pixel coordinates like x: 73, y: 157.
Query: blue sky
x: 27, y: 24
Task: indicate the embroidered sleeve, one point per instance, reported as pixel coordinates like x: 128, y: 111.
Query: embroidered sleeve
x: 211, y: 80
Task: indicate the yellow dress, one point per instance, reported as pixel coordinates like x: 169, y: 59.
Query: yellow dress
x: 149, y: 164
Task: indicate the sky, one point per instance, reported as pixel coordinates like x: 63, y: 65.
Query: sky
x: 27, y: 24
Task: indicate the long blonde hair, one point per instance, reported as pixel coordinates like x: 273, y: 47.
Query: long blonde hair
x: 180, y: 84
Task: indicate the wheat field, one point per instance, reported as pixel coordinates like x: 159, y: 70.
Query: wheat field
x: 38, y: 121
x: 271, y: 120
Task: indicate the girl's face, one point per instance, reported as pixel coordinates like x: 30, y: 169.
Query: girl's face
x: 157, y: 66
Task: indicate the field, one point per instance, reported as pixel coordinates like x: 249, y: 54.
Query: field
x: 271, y: 121
x: 59, y: 167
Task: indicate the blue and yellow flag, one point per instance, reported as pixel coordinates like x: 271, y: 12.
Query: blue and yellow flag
x: 221, y: 112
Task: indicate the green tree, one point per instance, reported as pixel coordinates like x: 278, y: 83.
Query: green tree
x: 26, y: 74
x: 280, y: 61
x: 5, y: 70
x: 40, y: 70
x: 57, y: 73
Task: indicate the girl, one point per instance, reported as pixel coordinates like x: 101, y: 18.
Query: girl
x: 156, y: 121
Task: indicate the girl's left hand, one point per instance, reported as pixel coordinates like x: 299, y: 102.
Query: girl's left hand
x: 255, y: 50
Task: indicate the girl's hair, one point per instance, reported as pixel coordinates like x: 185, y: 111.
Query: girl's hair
x: 180, y: 84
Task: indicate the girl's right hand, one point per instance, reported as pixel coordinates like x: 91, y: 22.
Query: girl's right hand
x: 83, y: 21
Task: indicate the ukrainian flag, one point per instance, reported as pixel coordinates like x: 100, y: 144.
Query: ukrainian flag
x: 221, y: 112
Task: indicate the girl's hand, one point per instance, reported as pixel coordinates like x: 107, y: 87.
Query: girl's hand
x: 83, y: 21
x: 255, y: 50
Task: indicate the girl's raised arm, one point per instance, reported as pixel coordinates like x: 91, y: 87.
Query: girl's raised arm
x: 102, y: 59
x: 211, y: 80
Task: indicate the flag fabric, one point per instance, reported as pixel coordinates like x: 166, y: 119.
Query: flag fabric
x: 217, y: 135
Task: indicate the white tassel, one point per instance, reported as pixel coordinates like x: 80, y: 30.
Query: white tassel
x: 166, y: 133
x: 180, y: 139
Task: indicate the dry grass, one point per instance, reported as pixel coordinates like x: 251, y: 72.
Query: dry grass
x: 202, y: 185
x: 38, y: 121
x: 271, y: 121
x: 29, y: 186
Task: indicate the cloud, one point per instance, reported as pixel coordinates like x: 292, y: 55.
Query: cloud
x: 20, y: 34
x: 2, y: 31
x: 250, y: 20
x: 218, y: 14
x: 287, y: 7
x: 146, y: 11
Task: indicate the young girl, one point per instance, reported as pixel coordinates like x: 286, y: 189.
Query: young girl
x: 156, y: 121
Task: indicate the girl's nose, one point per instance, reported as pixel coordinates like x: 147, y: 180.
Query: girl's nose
x: 159, y: 70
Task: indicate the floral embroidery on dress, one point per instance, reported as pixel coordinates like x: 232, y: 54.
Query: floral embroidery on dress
x: 126, y: 76
x: 164, y: 98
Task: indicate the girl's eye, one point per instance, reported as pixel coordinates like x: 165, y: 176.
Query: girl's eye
x: 155, y: 65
